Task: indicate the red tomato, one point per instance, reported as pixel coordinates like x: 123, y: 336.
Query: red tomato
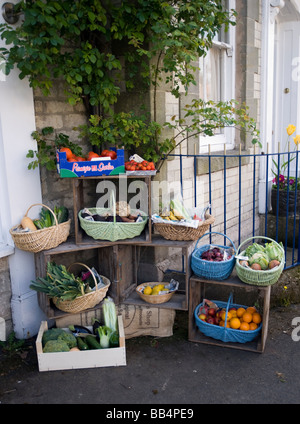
x: 92, y: 155
x: 111, y: 153
x: 67, y: 151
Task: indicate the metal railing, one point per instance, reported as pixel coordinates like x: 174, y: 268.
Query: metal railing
x: 283, y: 224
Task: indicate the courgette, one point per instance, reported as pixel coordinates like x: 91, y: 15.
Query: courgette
x: 92, y: 342
x: 81, y: 344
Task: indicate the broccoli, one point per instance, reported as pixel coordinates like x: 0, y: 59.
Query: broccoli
x: 51, y: 334
x: 56, y: 346
x: 69, y: 338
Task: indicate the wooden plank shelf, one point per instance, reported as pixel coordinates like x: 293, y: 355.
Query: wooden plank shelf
x: 177, y: 301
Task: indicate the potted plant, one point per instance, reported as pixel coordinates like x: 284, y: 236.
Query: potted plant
x: 285, y: 195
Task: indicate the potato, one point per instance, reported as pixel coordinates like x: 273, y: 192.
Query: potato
x: 273, y: 263
x: 256, y: 267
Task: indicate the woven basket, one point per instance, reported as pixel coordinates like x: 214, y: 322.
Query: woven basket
x: 47, y: 238
x: 87, y: 301
x: 259, y: 278
x: 223, y: 333
x: 112, y: 231
x: 212, y: 270
x: 181, y: 232
x: 153, y: 298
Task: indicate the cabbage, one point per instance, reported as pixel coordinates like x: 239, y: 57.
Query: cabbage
x: 273, y: 251
x: 254, y: 248
x: 260, y: 258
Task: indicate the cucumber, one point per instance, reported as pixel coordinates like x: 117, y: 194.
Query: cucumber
x: 92, y: 342
x: 81, y: 344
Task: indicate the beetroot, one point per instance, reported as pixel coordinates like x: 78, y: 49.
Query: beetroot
x: 214, y: 254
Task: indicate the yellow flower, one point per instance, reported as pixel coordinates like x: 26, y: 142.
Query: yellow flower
x: 297, y: 139
x: 291, y: 129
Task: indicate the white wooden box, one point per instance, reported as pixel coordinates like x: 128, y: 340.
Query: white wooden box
x: 95, y: 358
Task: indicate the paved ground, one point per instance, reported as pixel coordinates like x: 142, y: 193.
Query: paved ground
x: 169, y: 371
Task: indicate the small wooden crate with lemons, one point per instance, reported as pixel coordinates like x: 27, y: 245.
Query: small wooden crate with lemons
x: 156, y: 293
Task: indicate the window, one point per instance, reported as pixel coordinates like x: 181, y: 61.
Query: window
x: 217, y: 82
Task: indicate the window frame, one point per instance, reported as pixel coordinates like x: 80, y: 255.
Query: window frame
x: 227, y: 87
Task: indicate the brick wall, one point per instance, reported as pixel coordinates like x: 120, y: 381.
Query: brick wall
x: 248, y: 71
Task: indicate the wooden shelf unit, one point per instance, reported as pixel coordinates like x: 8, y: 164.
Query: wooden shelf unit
x: 197, y: 290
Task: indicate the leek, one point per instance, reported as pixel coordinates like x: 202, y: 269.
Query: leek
x: 110, y: 314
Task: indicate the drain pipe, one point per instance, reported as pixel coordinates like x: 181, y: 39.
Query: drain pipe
x: 2, y: 330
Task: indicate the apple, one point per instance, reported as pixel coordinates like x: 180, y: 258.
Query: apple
x: 218, y: 313
x: 212, y: 312
x: 210, y: 320
x: 202, y: 317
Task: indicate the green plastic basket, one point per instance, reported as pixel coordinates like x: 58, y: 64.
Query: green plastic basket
x: 258, y: 278
x: 112, y: 231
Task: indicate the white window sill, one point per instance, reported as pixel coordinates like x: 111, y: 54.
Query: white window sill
x: 6, y: 250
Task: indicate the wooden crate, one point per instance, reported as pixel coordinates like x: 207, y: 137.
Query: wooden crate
x: 79, y: 202
x: 95, y: 358
x: 196, y: 296
x: 116, y: 262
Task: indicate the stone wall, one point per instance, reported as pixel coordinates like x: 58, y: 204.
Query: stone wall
x: 54, y: 111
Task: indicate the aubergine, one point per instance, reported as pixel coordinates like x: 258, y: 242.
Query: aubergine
x: 79, y: 329
x: 96, y: 325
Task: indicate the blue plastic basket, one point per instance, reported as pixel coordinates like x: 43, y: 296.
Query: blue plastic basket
x: 212, y: 270
x: 223, y: 333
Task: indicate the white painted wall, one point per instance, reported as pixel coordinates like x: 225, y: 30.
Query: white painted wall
x: 20, y: 188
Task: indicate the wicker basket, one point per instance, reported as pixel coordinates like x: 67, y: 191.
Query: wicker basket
x: 112, y: 231
x: 181, y: 232
x: 47, y: 238
x: 225, y: 334
x: 153, y: 298
x: 87, y: 301
x: 259, y: 278
x: 212, y: 270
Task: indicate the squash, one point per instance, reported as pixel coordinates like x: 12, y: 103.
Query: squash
x: 28, y: 223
